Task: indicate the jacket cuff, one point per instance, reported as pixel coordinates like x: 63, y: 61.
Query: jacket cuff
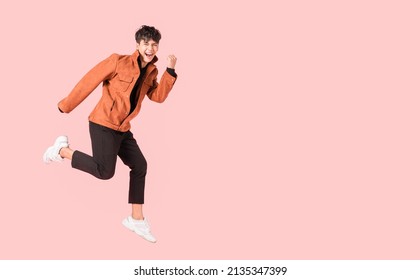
x: 171, y: 71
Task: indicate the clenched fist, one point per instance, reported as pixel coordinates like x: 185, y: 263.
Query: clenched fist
x: 171, y: 61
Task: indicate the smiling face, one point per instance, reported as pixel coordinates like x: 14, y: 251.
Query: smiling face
x: 147, y: 50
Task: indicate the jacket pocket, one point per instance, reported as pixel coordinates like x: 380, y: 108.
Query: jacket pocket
x: 121, y: 83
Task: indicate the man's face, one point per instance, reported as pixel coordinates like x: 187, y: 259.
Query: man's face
x: 147, y: 50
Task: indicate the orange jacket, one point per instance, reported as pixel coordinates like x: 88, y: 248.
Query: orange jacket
x: 118, y: 73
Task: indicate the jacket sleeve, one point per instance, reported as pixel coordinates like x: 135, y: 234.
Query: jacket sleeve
x: 101, y: 72
x: 159, y: 91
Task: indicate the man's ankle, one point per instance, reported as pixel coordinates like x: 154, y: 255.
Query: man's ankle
x: 137, y: 217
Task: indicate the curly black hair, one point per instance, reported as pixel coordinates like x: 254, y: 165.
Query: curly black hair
x: 146, y: 33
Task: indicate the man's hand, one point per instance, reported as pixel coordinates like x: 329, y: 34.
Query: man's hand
x: 171, y: 61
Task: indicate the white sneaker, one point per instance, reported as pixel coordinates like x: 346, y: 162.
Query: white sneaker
x: 141, y: 227
x: 53, y: 152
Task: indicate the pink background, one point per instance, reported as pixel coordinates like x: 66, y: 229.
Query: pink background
x: 291, y: 133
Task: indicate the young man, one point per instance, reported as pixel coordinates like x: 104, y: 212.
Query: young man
x: 126, y: 80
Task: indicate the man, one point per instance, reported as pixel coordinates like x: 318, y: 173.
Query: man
x: 126, y: 80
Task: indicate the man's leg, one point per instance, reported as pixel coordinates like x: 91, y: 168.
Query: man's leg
x: 67, y: 153
x: 105, y: 146
x: 131, y: 155
x: 137, y: 211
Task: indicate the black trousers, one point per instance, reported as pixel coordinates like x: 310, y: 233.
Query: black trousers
x: 107, y: 144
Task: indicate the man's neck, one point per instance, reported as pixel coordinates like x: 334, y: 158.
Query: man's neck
x: 141, y: 63
x: 144, y: 64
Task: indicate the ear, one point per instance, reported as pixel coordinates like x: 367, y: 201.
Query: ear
x: 137, y: 46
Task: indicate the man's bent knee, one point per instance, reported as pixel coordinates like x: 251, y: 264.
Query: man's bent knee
x: 105, y: 174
